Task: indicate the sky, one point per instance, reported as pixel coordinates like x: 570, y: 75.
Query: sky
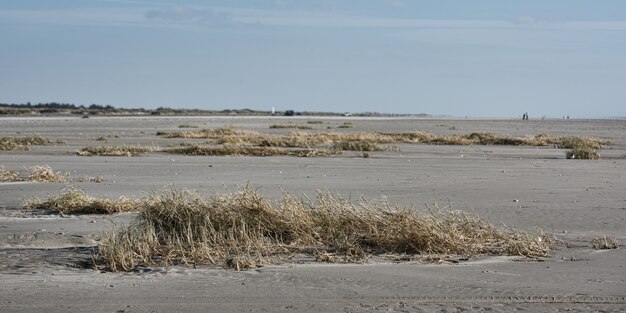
x: 478, y: 58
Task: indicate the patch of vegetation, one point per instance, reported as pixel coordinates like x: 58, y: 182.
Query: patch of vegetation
x: 370, y: 141
x: 581, y: 148
x: 315, y: 122
x: 75, y: 201
x: 290, y: 126
x: 346, y: 125
x: 356, y: 146
x: 243, y: 229
x: 43, y: 173
x: 604, y: 242
x: 115, y: 150
x: 21, y: 143
x: 245, y: 150
x: 188, y: 126
x: 8, y: 175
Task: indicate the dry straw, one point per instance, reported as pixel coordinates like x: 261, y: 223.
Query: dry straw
x: 21, y: 143
x: 305, y: 140
x: 75, y: 201
x: 604, y: 242
x: 296, y: 126
x: 245, y: 150
x: 115, y: 150
x: 8, y: 175
x: 43, y: 173
x: 244, y: 229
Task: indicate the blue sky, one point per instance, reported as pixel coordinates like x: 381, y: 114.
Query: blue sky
x: 477, y: 58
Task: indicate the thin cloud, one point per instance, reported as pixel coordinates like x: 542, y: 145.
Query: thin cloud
x: 158, y: 16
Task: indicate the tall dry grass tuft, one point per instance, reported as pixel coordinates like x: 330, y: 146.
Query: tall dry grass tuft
x: 8, y: 175
x: 75, y: 201
x: 116, y: 150
x: 582, y: 148
x: 604, y: 242
x: 364, y: 141
x: 356, y: 146
x: 214, y: 133
x: 296, y: 126
x: 245, y: 150
x: 21, y: 143
x: 244, y: 229
x: 45, y: 173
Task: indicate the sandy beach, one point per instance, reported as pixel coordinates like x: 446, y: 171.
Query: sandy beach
x: 44, y: 258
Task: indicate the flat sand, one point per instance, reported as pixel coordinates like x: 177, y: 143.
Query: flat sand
x: 44, y: 258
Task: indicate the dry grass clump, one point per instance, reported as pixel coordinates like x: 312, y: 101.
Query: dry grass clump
x: 346, y: 125
x: 315, y: 122
x: 244, y: 229
x: 115, y: 150
x: 605, y: 242
x: 246, y: 150
x: 21, y: 143
x: 290, y: 126
x: 215, y: 133
x: 8, y: 175
x: 45, y: 173
x: 369, y: 141
x: 582, y: 148
x: 188, y: 126
x: 356, y: 146
x: 75, y: 201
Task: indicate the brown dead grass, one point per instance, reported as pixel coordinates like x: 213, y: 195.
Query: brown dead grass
x: 604, y: 242
x: 243, y: 229
x: 215, y: 133
x: 303, y: 139
x: 75, y: 201
x: 356, y: 146
x: 115, y: 150
x: 43, y: 173
x: 582, y: 148
x: 296, y: 126
x: 8, y: 175
x: 21, y: 143
x: 246, y: 150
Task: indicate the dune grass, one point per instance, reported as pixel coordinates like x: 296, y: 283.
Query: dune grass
x: 346, y: 125
x: 115, y: 150
x: 8, y: 175
x: 581, y: 148
x: 304, y: 139
x: 296, y: 126
x: 356, y: 146
x: 43, y: 173
x: 246, y: 150
x: 244, y: 229
x: 75, y: 201
x: 188, y: 126
x: 21, y: 143
x: 604, y: 242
